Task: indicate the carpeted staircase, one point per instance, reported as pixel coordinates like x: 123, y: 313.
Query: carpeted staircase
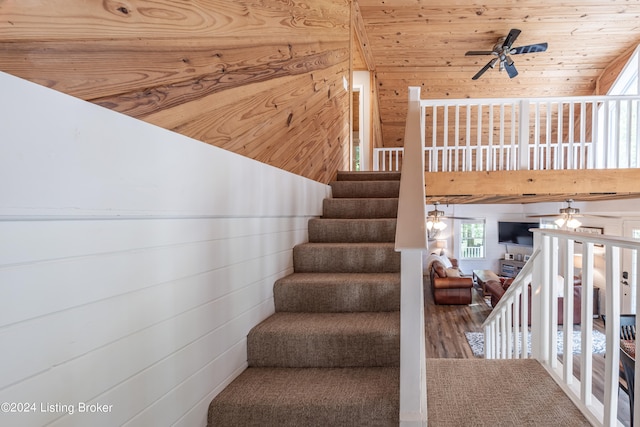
x: 329, y: 356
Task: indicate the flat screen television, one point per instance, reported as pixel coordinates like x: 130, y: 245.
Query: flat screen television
x: 516, y: 233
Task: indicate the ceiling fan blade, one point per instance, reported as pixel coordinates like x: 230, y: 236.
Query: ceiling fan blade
x: 511, y: 69
x: 508, y: 60
x: 511, y: 37
x: 479, y: 52
x: 531, y: 48
x: 490, y: 64
x: 543, y: 216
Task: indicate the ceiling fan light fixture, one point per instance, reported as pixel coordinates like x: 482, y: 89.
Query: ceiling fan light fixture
x: 439, y: 225
x: 573, y: 223
x: 560, y: 221
x: 434, y: 223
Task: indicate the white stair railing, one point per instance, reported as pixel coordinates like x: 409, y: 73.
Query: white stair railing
x: 526, y: 134
x: 411, y: 241
x: 388, y: 159
x: 553, y: 258
x: 504, y: 337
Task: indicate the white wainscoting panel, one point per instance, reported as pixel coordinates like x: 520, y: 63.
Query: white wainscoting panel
x: 133, y: 262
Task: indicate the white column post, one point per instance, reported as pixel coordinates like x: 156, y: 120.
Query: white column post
x: 413, y: 375
x: 612, y: 329
x: 523, y: 135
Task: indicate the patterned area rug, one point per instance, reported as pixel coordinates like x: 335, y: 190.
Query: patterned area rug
x: 476, y: 342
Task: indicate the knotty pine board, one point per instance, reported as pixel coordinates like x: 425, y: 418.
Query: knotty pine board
x: 185, y: 67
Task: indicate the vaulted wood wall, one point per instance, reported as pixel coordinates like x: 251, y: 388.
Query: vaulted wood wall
x: 260, y: 78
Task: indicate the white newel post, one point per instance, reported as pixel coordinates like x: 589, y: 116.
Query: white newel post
x: 411, y: 242
x: 413, y: 376
x: 540, y: 312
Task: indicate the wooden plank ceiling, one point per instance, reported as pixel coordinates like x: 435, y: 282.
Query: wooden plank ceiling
x: 423, y: 43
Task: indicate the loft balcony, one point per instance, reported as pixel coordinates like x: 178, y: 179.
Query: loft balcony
x: 527, y: 150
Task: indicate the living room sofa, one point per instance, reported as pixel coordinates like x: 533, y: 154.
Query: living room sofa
x: 497, y: 289
x: 447, y: 283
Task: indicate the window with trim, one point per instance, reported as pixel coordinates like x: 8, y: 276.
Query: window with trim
x: 548, y: 223
x: 472, y: 239
x: 621, y: 117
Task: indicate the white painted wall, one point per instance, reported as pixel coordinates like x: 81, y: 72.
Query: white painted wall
x: 491, y: 214
x: 133, y: 262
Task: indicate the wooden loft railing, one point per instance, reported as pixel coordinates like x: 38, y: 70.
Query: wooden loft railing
x: 526, y: 134
x: 554, y: 256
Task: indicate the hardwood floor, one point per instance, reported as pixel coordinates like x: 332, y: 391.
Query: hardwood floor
x: 447, y: 340
x: 445, y: 326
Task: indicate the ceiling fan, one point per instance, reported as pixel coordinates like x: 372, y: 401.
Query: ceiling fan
x: 435, y: 222
x: 502, y: 49
x: 568, y: 216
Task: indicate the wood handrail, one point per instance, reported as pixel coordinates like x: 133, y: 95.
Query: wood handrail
x: 411, y: 228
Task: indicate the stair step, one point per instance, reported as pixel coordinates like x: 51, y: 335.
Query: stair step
x: 309, y: 397
x: 365, y: 189
x: 368, y: 176
x: 325, y: 340
x: 329, y: 356
x: 341, y: 230
x: 346, y: 258
x: 337, y: 292
x: 360, y: 208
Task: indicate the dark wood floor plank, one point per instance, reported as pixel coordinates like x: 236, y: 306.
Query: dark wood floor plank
x: 446, y: 325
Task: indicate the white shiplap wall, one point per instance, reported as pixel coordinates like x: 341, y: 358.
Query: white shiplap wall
x: 133, y: 262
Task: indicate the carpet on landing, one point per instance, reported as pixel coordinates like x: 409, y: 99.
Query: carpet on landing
x: 479, y: 392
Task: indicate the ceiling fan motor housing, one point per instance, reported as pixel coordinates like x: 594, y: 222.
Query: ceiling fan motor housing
x: 569, y: 211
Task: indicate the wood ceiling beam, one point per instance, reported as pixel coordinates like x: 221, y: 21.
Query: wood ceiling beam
x: 361, y: 36
x: 528, y: 186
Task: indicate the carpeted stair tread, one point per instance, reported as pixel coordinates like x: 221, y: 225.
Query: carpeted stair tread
x: 316, y: 340
x: 329, y: 356
x: 527, y: 394
x: 337, y: 292
x: 365, y: 189
x: 309, y: 397
x: 340, y: 230
x: 360, y: 208
x: 368, y: 176
x: 346, y: 258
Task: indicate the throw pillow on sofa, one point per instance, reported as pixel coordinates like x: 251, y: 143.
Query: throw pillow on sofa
x: 453, y: 272
x: 446, y: 261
